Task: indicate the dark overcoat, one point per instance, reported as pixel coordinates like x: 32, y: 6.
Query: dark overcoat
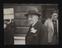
x: 8, y: 35
x: 38, y: 38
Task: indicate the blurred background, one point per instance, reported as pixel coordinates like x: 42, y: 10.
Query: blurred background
x: 18, y: 28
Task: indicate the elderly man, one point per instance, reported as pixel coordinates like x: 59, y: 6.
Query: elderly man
x: 37, y: 34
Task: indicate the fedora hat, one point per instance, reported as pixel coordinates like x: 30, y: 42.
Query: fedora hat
x: 33, y: 11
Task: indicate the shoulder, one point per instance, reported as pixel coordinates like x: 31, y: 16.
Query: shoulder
x: 38, y: 25
x: 41, y: 26
x: 48, y: 20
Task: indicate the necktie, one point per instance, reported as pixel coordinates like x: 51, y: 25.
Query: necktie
x: 56, y: 31
x: 55, y: 27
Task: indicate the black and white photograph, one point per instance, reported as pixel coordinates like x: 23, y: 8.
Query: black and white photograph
x: 31, y: 24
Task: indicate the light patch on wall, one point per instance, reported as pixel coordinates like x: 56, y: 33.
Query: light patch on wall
x: 8, y: 13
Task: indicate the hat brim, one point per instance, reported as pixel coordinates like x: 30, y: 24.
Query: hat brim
x: 33, y: 14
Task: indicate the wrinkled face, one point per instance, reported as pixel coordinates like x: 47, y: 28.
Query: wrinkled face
x: 32, y: 19
x: 54, y: 16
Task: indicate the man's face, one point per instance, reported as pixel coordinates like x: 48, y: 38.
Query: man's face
x: 54, y: 16
x: 32, y: 19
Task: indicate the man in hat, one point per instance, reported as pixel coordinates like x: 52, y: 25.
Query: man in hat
x: 37, y: 34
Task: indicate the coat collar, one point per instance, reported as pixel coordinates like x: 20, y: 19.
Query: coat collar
x: 37, y: 25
